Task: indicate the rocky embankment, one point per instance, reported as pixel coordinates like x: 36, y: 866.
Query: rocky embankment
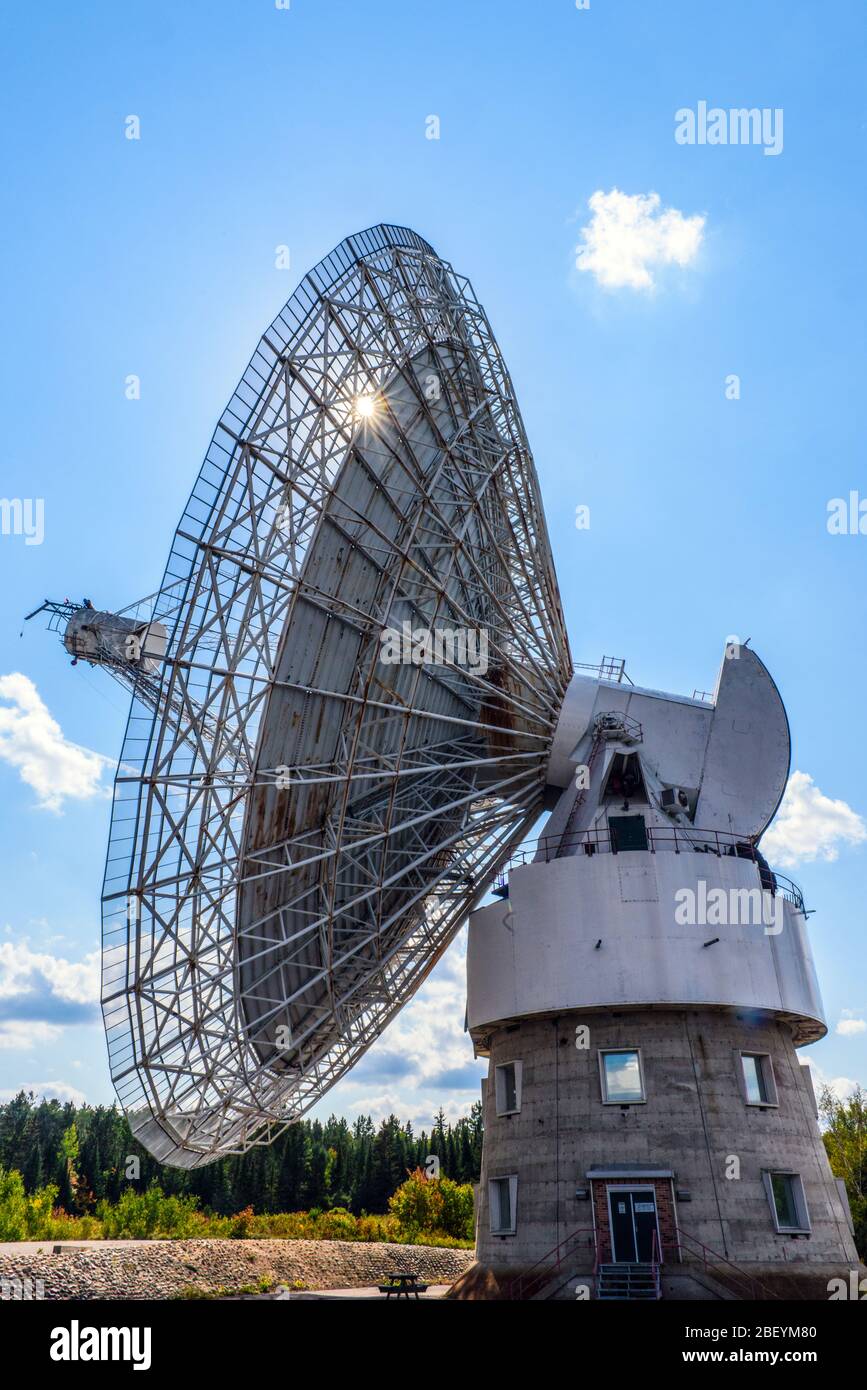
x: 172, y: 1268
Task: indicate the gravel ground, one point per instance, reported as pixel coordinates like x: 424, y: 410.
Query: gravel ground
x: 166, y: 1269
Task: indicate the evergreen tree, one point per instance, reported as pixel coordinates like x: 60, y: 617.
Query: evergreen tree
x: 292, y: 1178
x: 85, y: 1152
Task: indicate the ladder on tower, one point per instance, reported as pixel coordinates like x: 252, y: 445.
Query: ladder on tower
x: 582, y: 792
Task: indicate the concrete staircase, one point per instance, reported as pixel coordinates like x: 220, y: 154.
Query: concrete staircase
x: 628, y: 1281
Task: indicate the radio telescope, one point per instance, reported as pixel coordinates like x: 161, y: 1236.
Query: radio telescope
x: 344, y: 696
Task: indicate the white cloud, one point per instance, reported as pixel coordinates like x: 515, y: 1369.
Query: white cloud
x: 841, y: 1086
x: 849, y: 1026
x: 49, y: 1090
x: 22, y: 1034
x: 424, y: 1059
x: 630, y: 235
x: 430, y: 1031
x: 32, y: 741
x: 23, y: 971
x: 40, y: 994
x: 410, y: 1108
x: 810, y: 825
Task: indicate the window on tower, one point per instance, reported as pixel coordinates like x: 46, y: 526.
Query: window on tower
x: 503, y: 1195
x: 785, y: 1192
x: 507, y: 1087
x: 622, y: 1076
x: 757, y: 1079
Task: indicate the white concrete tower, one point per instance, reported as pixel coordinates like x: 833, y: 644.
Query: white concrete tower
x: 641, y: 989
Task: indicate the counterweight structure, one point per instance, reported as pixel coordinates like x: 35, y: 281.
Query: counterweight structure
x: 641, y: 988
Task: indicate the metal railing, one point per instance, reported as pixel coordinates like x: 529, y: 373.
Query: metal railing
x: 542, y: 1272
x: 610, y: 668
x: 656, y: 1257
x: 746, y: 1284
x: 619, y: 727
x: 602, y: 839
x: 686, y: 1249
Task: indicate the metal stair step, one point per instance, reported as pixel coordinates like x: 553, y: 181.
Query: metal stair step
x: 633, y: 1282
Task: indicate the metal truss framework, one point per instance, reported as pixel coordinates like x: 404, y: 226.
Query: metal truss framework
x: 299, y: 828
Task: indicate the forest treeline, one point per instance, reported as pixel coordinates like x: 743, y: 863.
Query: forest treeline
x: 81, y: 1155
x: 85, y: 1151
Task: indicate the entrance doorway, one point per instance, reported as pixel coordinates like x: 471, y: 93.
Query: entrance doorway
x: 633, y: 1224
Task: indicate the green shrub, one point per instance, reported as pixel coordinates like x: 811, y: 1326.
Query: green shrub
x: 423, y: 1211
x: 151, y: 1215
x: 23, y: 1216
x: 433, y: 1207
x: 13, y: 1206
x: 337, y: 1224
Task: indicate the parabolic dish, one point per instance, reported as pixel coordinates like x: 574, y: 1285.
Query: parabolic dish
x: 303, y: 819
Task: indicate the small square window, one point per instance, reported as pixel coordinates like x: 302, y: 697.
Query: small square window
x: 757, y: 1075
x: 503, y: 1194
x: 788, y: 1204
x: 622, y: 1077
x: 507, y: 1087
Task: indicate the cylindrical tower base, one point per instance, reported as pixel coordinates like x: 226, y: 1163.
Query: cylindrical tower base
x: 625, y: 1136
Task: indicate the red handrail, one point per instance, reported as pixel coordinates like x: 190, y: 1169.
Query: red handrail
x: 536, y: 1275
x: 655, y: 1263
x: 717, y: 1258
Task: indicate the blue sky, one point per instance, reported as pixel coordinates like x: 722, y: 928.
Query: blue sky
x: 263, y: 127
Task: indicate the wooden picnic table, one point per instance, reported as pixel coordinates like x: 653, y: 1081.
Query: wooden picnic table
x: 401, y: 1282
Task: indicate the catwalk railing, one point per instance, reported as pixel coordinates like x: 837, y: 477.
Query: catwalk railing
x: 602, y: 839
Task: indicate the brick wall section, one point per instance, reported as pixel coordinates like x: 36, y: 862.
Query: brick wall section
x: 664, y: 1212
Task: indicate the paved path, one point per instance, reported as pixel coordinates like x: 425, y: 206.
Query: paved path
x: 46, y: 1247
x: 371, y: 1291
